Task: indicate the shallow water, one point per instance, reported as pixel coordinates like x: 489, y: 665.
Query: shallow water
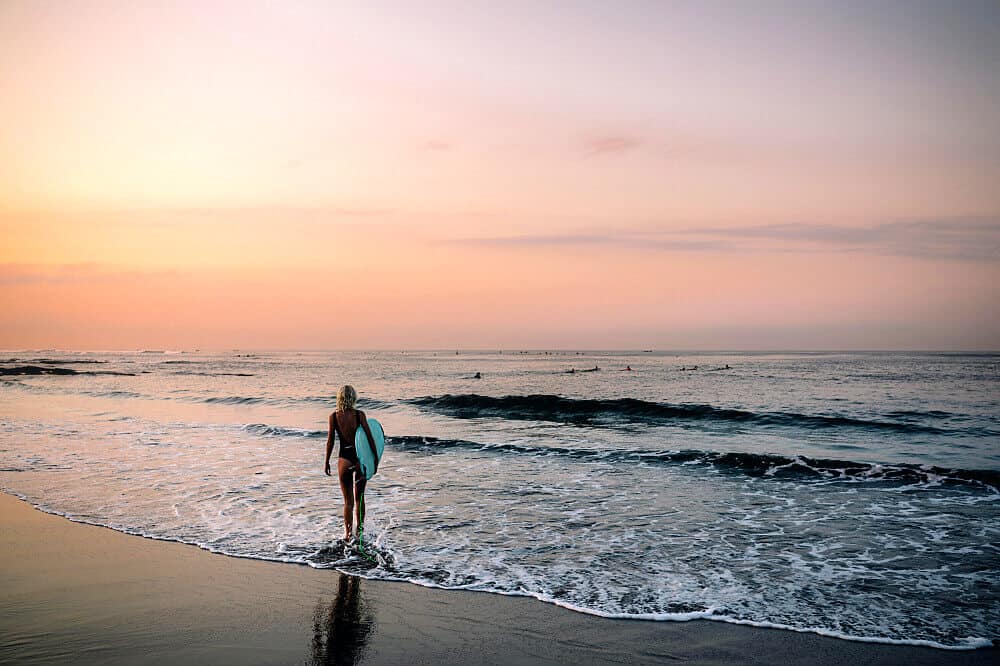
x: 855, y: 495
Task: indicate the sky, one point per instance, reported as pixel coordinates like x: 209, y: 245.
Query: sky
x: 594, y: 175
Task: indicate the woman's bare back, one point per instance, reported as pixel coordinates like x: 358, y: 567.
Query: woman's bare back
x: 346, y: 424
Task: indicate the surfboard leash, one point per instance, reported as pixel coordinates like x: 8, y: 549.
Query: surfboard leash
x: 361, y: 531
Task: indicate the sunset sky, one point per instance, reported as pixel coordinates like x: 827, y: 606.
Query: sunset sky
x: 672, y: 175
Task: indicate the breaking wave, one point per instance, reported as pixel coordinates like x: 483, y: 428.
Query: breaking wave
x: 733, y: 462
x: 594, y: 412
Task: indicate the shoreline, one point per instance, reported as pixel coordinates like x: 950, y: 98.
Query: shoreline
x: 702, y: 616
x: 93, y: 594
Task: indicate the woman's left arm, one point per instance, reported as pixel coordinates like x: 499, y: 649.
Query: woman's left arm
x: 371, y: 440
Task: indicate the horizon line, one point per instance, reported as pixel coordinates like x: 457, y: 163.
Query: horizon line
x: 513, y: 350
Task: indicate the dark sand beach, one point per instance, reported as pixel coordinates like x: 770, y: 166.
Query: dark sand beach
x: 83, y: 594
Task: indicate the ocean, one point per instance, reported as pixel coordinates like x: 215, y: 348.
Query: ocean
x: 854, y: 495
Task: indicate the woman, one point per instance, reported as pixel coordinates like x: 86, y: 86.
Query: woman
x: 344, y: 422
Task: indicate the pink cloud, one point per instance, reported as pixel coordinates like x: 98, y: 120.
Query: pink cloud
x: 610, y: 144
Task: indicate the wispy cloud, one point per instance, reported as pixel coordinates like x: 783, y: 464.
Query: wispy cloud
x: 30, y: 274
x: 970, y: 239
x: 170, y: 216
x: 610, y: 144
x: 609, y: 239
x: 281, y: 210
x: 540, y: 240
x: 963, y: 239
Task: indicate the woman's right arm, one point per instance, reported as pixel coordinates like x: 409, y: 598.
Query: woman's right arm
x: 329, y: 444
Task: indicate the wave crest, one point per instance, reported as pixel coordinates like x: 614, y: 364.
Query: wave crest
x: 731, y: 462
x: 749, y: 464
x: 592, y: 411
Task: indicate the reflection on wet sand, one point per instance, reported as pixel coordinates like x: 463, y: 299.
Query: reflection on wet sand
x: 342, y: 627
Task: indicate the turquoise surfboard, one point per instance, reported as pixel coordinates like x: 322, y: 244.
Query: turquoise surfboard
x: 365, y: 450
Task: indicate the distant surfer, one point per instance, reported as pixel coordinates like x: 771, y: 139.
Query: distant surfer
x: 571, y: 371
x: 344, y: 423
x: 628, y: 368
x: 477, y: 376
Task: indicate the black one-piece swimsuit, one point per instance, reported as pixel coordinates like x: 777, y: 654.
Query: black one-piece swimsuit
x: 347, y: 450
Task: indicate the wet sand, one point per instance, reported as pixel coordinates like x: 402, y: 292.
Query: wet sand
x: 72, y: 592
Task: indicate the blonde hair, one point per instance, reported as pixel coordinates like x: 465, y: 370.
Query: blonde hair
x: 346, y: 397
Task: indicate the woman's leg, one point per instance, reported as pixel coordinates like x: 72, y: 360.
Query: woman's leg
x: 345, y: 472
